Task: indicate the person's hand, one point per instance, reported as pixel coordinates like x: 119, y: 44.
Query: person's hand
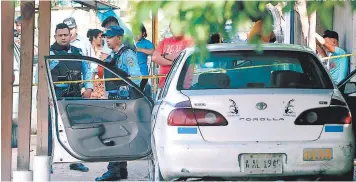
x: 98, y: 53
x: 35, y: 51
x: 172, y: 57
x: 103, y: 56
x: 319, y: 39
x: 320, y: 51
x: 317, y: 43
x: 87, y: 93
x: 18, y: 41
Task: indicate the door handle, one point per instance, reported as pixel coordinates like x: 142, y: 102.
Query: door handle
x: 121, y: 106
x: 108, y: 143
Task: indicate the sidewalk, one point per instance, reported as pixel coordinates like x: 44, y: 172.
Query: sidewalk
x: 137, y: 169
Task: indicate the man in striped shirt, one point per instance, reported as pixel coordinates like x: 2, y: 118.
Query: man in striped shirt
x: 329, y: 46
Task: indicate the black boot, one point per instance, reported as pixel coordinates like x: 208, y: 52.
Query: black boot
x: 123, y: 173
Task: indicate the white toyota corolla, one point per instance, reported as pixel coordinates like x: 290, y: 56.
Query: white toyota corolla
x: 239, y: 113
x: 233, y: 113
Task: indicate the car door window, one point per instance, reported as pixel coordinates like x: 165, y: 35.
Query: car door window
x: 170, y: 75
x: 113, y: 123
x: 348, y: 85
x: 348, y: 88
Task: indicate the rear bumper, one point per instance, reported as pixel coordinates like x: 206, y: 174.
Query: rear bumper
x: 203, y: 159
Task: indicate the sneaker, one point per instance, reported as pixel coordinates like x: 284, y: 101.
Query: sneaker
x: 108, y: 176
x: 78, y: 167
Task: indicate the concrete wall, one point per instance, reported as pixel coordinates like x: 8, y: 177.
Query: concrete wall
x: 345, y: 24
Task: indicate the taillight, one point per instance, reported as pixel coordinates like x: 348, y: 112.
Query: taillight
x: 195, y: 117
x: 326, y: 115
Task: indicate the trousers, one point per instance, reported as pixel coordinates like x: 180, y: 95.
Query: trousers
x: 114, y: 167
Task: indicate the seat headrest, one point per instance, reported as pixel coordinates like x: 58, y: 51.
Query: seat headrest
x: 283, y: 78
x: 255, y: 85
x: 214, y: 80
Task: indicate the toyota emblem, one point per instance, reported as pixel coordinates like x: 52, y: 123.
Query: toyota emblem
x: 261, y: 106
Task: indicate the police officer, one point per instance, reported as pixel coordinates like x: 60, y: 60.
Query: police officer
x: 125, y: 59
x: 112, y: 21
x: 67, y: 70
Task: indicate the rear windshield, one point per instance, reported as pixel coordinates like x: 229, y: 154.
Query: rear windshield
x: 249, y: 69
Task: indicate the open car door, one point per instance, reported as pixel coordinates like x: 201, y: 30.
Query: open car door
x: 115, y: 125
x: 348, y: 89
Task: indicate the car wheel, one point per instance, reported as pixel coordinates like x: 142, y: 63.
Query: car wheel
x: 154, y: 174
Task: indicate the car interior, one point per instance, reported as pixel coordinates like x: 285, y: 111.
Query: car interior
x: 213, y: 81
x: 288, y: 79
x: 277, y: 79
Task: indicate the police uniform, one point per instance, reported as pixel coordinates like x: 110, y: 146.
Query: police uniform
x: 80, y: 42
x: 126, y: 60
x: 82, y: 67
x: 56, y: 66
x: 59, y: 69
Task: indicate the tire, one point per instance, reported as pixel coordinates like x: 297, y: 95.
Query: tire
x: 154, y: 174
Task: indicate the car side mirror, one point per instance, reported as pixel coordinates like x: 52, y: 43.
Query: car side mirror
x: 350, y: 88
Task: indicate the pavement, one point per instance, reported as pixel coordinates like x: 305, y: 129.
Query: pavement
x: 138, y: 170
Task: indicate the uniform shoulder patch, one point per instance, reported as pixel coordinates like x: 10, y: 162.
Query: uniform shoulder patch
x: 130, y: 61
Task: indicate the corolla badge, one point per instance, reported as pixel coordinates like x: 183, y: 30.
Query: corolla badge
x: 261, y: 106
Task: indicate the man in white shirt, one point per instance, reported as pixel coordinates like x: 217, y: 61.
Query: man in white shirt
x: 77, y: 40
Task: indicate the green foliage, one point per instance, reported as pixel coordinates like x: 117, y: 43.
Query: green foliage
x: 17, y: 3
x: 202, y: 18
x: 325, y: 9
x: 353, y: 5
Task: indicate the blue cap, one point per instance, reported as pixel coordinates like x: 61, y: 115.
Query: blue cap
x: 113, y: 31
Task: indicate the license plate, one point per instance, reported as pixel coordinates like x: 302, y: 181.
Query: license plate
x: 262, y: 163
x: 318, y: 154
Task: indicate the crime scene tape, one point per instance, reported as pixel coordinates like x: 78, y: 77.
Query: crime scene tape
x: 112, y: 79
x: 340, y: 56
x: 210, y: 71
x: 161, y: 76
x: 107, y: 79
x: 219, y: 70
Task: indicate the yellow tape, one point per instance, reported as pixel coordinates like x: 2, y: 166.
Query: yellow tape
x: 111, y: 79
x: 340, y: 56
x: 242, y: 68
x: 161, y: 76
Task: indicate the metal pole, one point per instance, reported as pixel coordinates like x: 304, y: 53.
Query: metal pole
x: 155, y: 43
